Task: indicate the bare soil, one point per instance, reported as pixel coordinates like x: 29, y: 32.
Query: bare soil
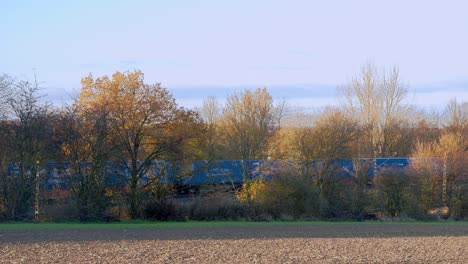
x: 334, y: 243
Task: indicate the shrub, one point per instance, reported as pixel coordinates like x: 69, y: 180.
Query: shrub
x: 217, y: 206
x: 60, y: 210
x: 391, y: 194
x: 250, y: 190
x: 158, y: 203
x: 161, y: 210
x: 289, y: 195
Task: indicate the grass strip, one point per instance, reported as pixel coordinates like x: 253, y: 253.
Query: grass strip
x: 194, y: 224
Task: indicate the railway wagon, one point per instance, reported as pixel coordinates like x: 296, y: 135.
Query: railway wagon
x: 59, y: 175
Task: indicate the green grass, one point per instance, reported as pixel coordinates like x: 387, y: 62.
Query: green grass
x: 141, y: 224
x: 146, y: 224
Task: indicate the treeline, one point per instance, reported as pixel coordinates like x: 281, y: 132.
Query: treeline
x: 121, y: 118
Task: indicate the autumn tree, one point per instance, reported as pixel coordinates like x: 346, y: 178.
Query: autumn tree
x: 317, y: 149
x: 249, y: 120
x: 453, y: 148
x: 440, y: 165
x: 141, y: 118
x: 282, y: 145
x: 326, y: 140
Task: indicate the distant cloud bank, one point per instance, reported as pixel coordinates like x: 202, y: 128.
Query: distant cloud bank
x: 302, y: 96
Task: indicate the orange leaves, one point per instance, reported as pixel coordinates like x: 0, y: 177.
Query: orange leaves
x: 128, y: 99
x: 144, y: 118
x: 144, y: 121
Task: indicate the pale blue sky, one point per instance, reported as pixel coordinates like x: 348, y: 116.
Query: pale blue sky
x: 299, y: 49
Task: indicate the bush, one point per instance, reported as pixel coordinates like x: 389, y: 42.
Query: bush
x: 391, y: 194
x: 459, y: 203
x: 337, y: 202
x: 289, y: 196
x: 92, y: 207
x: 158, y: 203
x: 59, y: 210
x: 161, y: 210
x: 216, y: 206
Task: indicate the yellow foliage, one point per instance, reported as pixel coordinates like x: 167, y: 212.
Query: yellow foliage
x: 280, y: 145
x: 450, y: 143
x: 140, y: 115
x: 251, y: 190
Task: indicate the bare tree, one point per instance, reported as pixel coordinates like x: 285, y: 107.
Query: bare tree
x: 457, y: 117
x: 28, y: 146
x: 376, y: 100
x: 85, y: 150
x: 5, y: 140
x: 6, y: 83
x: 210, y: 113
x: 281, y: 111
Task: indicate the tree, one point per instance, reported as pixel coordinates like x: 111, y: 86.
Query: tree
x: 441, y: 164
x: 457, y: 118
x: 5, y: 138
x: 249, y: 120
x: 28, y: 145
x: 318, y: 148
x: 210, y: 113
x: 6, y: 83
x: 86, y: 148
x: 453, y: 148
x: 327, y: 140
x: 376, y: 101
x: 141, y: 118
x: 280, y: 145
x: 391, y: 193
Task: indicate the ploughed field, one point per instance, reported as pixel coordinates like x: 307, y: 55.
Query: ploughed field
x: 239, y: 243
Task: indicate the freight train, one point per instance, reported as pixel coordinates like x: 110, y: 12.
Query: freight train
x: 58, y: 175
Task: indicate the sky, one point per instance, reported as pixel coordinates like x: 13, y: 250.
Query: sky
x: 300, y: 50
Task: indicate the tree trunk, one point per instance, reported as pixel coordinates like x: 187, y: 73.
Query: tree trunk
x: 134, y: 201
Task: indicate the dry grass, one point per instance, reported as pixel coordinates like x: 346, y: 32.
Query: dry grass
x: 444, y: 249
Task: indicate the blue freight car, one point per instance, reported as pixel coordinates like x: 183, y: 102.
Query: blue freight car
x: 116, y: 174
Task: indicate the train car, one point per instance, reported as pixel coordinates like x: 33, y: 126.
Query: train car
x: 59, y: 175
